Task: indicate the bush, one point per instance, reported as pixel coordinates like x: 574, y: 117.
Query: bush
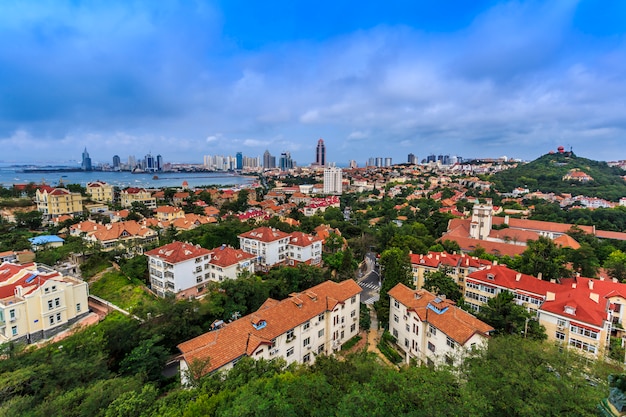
x: 386, y: 348
x: 350, y: 343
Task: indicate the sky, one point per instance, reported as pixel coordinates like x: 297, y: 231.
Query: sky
x: 373, y: 79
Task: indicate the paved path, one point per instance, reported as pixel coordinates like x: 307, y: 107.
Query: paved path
x: 373, y: 337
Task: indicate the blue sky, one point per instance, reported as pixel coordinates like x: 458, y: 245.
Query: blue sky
x: 191, y: 78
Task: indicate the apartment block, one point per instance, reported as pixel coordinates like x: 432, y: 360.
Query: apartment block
x: 314, y: 322
x: 268, y: 245
x: 37, y: 302
x: 457, y: 266
x: 431, y: 329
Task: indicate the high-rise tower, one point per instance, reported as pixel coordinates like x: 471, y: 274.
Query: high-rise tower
x: 86, y: 164
x: 320, y: 153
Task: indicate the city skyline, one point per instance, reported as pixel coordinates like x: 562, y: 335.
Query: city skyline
x: 483, y: 79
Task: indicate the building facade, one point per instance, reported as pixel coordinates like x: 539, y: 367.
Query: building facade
x: 333, y: 179
x: 37, y: 302
x: 137, y: 195
x: 317, y: 321
x: 53, y: 202
x: 432, y: 330
x: 100, y: 191
x: 320, y: 153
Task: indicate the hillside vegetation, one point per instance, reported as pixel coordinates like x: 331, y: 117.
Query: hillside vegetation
x: 546, y: 174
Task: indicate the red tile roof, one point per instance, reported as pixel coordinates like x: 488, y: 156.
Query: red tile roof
x: 264, y: 234
x: 303, y: 239
x: 226, y: 256
x: 176, y: 252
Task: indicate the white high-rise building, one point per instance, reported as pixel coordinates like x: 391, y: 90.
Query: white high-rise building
x: 332, y: 180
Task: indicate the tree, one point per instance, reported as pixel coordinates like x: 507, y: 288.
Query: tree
x: 146, y: 360
x: 585, y: 261
x: 395, y: 267
x: 439, y: 282
x: 506, y: 317
x: 29, y: 219
x: 543, y: 256
x: 615, y: 265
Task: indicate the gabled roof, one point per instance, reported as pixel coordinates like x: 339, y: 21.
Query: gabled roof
x: 27, y: 276
x: 265, y: 234
x: 453, y: 321
x: 226, y: 256
x: 303, y: 239
x: 241, y: 337
x: 176, y: 252
x: 502, y: 276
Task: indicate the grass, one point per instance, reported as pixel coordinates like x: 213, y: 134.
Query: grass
x: 350, y: 343
x: 121, y: 291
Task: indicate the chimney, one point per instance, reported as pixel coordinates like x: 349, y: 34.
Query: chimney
x: 506, y: 220
x: 591, y: 284
x: 18, y: 290
x: 539, y: 275
x: 573, y: 285
x: 595, y: 297
x: 495, y: 262
x: 550, y: 296
x: 518, y: 276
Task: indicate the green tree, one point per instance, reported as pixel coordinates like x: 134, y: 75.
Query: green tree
x: 615, y: 265
x: 29, y: 219
x: 439, y: 282
x: 395, y: 267
x: 506, y: 317
x: 146, y: 360
x: 543, y: 257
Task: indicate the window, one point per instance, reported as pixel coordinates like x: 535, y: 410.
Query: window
x: 51, y: 318
x: 78, y: 307
x: 50, y: 305
x: 396, y: 303
x: 306, y: 326
x: 432, y: 329
x: 582, y: 345
x: 560, y: 336
x: 353, y: 313
x: 306, y: 342
x: 407, y: 328
x: 12, y: 315
x: 306, y: 358
x: 416, y: 329
x: 289, y: 352
x: 561, y: 323
x: 584, y: 332
x: 58, y: 316
x: 353, y: 328
x: 395, y: 333
x: 431, y: 347
x: 320, y: 317
x: 320, y: 333
x: 406, y: 342
x: 57, y: 302
x: 342, y: 334
x: 353, y: 300
x: 320, y: 349
x: 396, y: 318
x: 450, y: 342
x: 290, y: 335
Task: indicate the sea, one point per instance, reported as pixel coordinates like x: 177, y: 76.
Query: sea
x: 11, y: 174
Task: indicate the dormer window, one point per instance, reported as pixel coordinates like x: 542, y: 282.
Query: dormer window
x: 490, y: 276
x: 570, y: 310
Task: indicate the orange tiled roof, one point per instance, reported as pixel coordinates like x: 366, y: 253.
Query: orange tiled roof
x: 264, y: 234
x: 226, y: 256
x: 454, y: 322
x: 242, y: 338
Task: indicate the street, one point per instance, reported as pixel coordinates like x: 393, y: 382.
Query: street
x: 369, y: 280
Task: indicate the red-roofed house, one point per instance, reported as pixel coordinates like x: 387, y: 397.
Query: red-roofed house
x: 316, y: 321
x: 457, y: 266
x: 432, y: 329
x: 168, y: 213
x: 137, y: 195
x: 37, y: 302
x: 177, y: 267
x: 267, y: 244
x: 304, y: 248
x: 57, y: 201
x: 100, y: 191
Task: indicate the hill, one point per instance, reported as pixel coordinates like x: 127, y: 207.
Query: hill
x: 565, y: 173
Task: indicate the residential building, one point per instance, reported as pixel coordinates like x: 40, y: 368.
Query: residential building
x: 457, y: 266
x: 267, y: 244
x: 123, y: 235
x: 168, y: 213
x: 227, y: 262
x: 177, y: 267
x: 304, y: 249
x: 53, y: 202
x: 45, y: 242
x: 37, y: 302
x: 431, y: 329
x: 100, y: 191
x: 333, y: 180
x: 314, y: 322
x: 137, y: 195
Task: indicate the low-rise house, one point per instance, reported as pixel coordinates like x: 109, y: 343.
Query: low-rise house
x: 431, y: 329
x: 128, y: 235
x: 314, y: 322
x: 45, y: 242
x: 37, y: 302
x: 168, y: 213
x: 457, y: 266
x: 268, y: 245
x: 227, y: 262
x: 304, y: 249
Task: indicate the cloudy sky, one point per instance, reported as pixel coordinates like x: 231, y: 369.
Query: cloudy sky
x: 190, y: 78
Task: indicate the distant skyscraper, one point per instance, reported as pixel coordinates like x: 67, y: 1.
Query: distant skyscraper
x: 285, y: 161
x: 269, y: 161
x: 149, y: 163
x: 116, y: 162
x: 388, y: 162
x: 132, y: 162
x: 159, y: 163
x: 412, y: 159
x: 239, y: 165
x: 86, y: 164
x: 320, y: 153
x: 332, y: 180
x: 352, y: 163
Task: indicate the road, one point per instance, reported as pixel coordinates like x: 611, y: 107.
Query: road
x: 369, y: 279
